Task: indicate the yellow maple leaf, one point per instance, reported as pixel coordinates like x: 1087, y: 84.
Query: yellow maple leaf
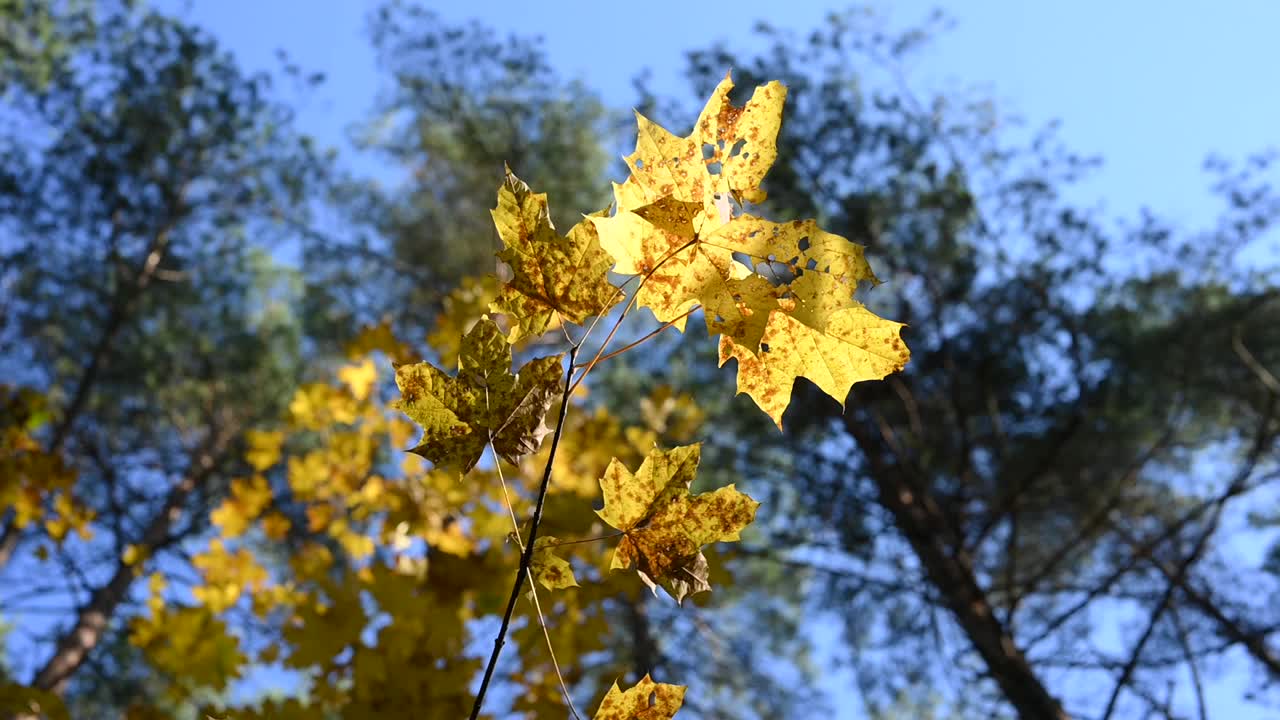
x: 381, y: 338
x: 552, y: 276
x: 484, y: 404
x: 793, y: 282
x: 264, y: 448
x: 359, y: 377
x: 729, y: 151
x: 850, y: 346
x: 551, y: 571
x: 69, y: 515
x: 275, y: 526
x: 664, y: 526
x: 647, y: 700
x: 226, y: 576
x: 188, y: 642
x: 248, y: 498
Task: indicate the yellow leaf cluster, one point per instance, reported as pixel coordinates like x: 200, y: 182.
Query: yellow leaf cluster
x: 36, y: 484
x: 780, y: 295
x: 463, y: 307
x: 249, y: 497
x: 190, y: 644
x: 226, y: 576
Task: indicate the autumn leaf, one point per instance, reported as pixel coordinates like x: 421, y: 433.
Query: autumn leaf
x: 729, y: 151
x: 191, y: 644
x: 664, y: 526
x: 359, y: 377
x: 249, y: 497
x: 551, y: 571
x: 485, y: 403
x: 647, y: 700
x: 850, y: 346
x: 552, y: 275
x: 780, y: 295
x: 29, y: 702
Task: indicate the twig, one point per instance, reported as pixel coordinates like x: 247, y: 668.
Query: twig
x: 659, y: 330
x: 597, y: 538
x: 1264, y: 375
x: 533, y: 588
x: 1192, y: 666
x: 526, y: 557
x: 630, y: 304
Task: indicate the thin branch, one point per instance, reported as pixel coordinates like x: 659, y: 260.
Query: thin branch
x: 658, y: 331
x: 1126, y: 673
x: 1265, y: 376
x: 1193, y: 667
x: 597, y: 538
x: 625, y: 311
x: 526, y: 557
x: 533, y: 588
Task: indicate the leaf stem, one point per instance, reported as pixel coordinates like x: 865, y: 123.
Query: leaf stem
x: 630, y: 304
x: 597, y: 538
x: 526, y: 557
x: 659, y: 330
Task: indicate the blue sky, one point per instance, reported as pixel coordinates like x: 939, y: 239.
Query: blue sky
x: 1152, y: 87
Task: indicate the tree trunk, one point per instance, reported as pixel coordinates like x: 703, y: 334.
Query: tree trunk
x: 92, y: 620
x: 922, y: 522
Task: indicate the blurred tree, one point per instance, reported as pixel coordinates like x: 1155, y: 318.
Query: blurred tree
x: 136, y: 162
x: 1083, y: 404
x: 36, y: 38
x: 460, y: 102
x: 1086, y: 406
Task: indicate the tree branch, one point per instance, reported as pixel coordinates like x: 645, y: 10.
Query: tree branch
x: 526, y: 558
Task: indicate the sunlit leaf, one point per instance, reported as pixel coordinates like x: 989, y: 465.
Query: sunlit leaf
x: 484, y: 403
x: 664, y: 526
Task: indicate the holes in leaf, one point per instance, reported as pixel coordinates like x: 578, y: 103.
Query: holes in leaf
x: 772, y: 258
x: 640, y: 164
x: 719, y: 319
x: 713, y: 168
x: 708, y: 151
x: 764, y: 347
x: 804, y: 244
x: 653, y: 699
x: 737, y: 148
x: 811, y: 265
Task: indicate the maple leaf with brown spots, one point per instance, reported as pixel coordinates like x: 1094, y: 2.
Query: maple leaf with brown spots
x: 550, y: 570
x: 484, y: 404
x: 664, y: 526
x: 647, y: 700
x: 553, y: 277
x: 780, y: 295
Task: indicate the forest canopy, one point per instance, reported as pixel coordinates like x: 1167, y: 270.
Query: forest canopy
x: 285, y: 438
